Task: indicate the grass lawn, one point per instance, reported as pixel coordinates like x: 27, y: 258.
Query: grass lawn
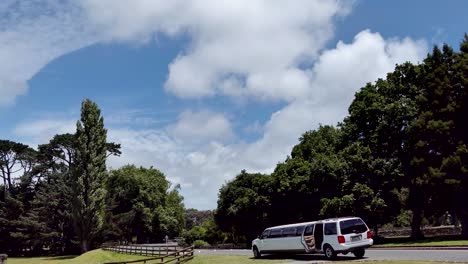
x: 426, y: 242
x: 91, y: 257
x: 99, y: 256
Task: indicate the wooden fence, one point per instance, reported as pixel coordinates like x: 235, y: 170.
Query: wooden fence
x: 161, y: 253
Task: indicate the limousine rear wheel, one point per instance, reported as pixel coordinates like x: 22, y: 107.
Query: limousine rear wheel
x: 329, y: 252
x: 359, y: 252
x: 256, y: 253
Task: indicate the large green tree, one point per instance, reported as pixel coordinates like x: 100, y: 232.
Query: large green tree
x: 142, y: 205
x: 243, y: 206
x: 311, y: 173
x: 15, y: 159
x: 89, y: 175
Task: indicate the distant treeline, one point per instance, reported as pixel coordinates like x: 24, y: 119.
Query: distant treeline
x: 399, y: 158
x: 62, y: 199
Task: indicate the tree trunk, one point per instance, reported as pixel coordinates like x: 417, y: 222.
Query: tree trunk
x: 464, y: 222
x: 416, y: 225
x: 84, y: 246
x: 376, y: 231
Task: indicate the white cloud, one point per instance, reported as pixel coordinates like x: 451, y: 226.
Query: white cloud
x: 252, y: 48
x: 201, y: 126
x: 262, y: 42
x: 42, y: 130
x: 341, y: 71
x: 33, y: 33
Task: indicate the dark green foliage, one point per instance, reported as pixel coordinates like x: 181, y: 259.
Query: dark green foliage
x: 310, y: 175
x: 243, y: 206
x: 89, y: 175
x: 141, y: 205
x: 195, y: 217
x: 15, y: 158
x: 57, y: 204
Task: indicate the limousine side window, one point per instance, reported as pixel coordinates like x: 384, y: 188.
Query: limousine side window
x: 274, y: 233
x: 299, y: 230
x: 265, y: 234
x: 289, y: 232
x: 330, y: 229
x: 309, y: 230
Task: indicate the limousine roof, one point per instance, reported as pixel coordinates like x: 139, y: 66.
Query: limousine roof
x: 313, y: 222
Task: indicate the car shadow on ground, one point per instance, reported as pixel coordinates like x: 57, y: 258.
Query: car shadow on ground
x: 310, y: 257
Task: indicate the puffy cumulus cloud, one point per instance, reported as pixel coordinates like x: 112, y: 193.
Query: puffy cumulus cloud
x: 201, y: 126
x: 236, y: 47
x: 33, y: 33
x: 341, y: 71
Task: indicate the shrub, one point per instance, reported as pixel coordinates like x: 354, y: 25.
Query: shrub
x: 200, y: 244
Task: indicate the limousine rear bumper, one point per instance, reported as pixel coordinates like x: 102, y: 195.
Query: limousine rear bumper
x: 350, y: 247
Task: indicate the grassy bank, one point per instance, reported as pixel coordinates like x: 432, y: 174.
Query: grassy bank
x: 91, y: 257
x: 442, y: 241
x: 99, y: 256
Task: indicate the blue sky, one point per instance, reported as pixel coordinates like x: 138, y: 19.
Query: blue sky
x: 204, y: 89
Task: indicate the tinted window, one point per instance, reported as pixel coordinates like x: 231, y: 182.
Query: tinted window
x: 289, y: 231
x: 299, y: 230
x: 352, y: 226
x: 330, y: 229
x: 265, y: 234
x: 275, y: 233
x: 309, y: 230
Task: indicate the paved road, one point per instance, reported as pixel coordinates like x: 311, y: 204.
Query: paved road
x: 372, y: 254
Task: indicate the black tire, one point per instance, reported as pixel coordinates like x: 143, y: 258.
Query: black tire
x: 359, y: 252
x: 329, y: 252
x: 256, y: 253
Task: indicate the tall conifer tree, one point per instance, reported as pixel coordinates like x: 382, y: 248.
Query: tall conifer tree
x: 89, y: 175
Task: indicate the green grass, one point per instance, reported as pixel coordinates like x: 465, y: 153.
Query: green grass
x: 426, y: 243
x: 448, y: 240
x: 91, y: 257
x: 100, y: 257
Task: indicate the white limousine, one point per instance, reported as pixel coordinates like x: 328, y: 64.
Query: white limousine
x: 329, y: 236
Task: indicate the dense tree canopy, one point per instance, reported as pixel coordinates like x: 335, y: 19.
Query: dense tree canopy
x: 402, y: 146
x: 57, y: 197
x: 142, y: 205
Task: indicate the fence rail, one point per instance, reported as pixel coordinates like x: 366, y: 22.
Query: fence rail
x: 161, y: 253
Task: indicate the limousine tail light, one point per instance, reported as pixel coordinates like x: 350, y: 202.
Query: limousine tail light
x: 341, y: 239
x: 369, y: 235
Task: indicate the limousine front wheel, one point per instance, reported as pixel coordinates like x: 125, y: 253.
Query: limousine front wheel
x: 329, y: 252
x: 256, y: 253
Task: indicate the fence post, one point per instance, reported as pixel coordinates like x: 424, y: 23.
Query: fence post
x: 3, y: 258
